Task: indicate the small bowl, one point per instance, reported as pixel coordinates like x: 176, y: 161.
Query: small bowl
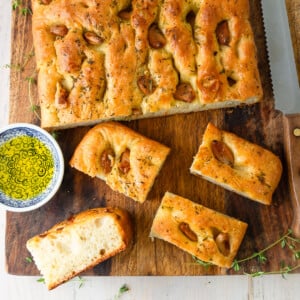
x: 31, y: 167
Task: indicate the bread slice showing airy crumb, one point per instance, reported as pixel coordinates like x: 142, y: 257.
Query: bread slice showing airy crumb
x: 204, y: 233
x: 79, y: 243
x: 237, y: 165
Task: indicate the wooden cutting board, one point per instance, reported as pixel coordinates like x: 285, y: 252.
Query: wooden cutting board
x: 259, y: 123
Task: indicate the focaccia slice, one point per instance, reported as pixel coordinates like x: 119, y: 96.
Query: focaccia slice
x: 206, y: 234
x: 127, y: 161
x: 80, y: 243
x: 237, y: 165
x: 106, y: 60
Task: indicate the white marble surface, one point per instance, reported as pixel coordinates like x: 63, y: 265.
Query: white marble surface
x: 272, y: 287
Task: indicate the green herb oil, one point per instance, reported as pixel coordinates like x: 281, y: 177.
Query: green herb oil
x: 26, y: 167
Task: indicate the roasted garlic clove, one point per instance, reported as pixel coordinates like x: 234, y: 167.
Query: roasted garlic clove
x: 59, y: 30
x: 210, y: 83
x: 223, y: 33
x: 61, y: 96
x: 107, y: 160
x: 223, y: 244
x: 222, y: 152
x: 124, y: 165
x: 184, y: 92
x: 145, y: 84
x: 125, y: 14
x: 188, y: 232
x: 92, y: 38
x: 155, y: 37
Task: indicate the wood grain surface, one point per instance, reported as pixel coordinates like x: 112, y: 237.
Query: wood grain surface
x: 259, y: 123
x: 291, y: 146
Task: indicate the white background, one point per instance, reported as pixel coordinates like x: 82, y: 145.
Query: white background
x: 205, y: 287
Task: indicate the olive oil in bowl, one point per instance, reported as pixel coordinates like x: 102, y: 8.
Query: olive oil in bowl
x: 31, y: 167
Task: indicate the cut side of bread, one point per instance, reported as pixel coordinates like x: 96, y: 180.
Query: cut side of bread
x: 107, y: 60
x: 237, y: 165
x: 204, y: 233
x: 127, y: 161
x: 80, y: 243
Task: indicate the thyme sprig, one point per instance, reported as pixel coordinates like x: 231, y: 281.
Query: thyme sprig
x: 20, y: 67
x: 202, y: 263
x: 33, y: 107
x: 287, y: 241
x: 31, y: 80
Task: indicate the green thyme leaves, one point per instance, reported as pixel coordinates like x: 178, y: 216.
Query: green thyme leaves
x: 287, y: 242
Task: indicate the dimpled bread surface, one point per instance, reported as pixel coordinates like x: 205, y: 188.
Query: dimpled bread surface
x: 237, y: 165
x: 123, y: 60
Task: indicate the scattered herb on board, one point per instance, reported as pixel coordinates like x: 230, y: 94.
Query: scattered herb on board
x: 287, y: 241
x: 79, y: 278
x: 81, y: 281
x: 41, y: 280
x: 17, y: 5
x: 28, y: 259
x: 55, y: 134
x: 123, y: 289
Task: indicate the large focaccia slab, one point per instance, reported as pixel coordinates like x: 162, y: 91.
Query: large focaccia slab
x: 122, y: 60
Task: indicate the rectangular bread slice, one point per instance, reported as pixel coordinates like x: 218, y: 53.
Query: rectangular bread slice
x: 127, y: 161
x: 80, y: 243
x: 237, y: 165
x: 121, y: 60
x: 204, y: 233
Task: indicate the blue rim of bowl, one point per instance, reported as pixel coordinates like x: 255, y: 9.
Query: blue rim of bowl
x: 16, y: 129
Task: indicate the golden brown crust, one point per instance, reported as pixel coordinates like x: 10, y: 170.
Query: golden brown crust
x: 252, y: 171
x: 126, y: 160
x: 121, y: 220
x: 121, y: 217
x: 231, y: 72
x: 206, y: 234
x: 130, y: 59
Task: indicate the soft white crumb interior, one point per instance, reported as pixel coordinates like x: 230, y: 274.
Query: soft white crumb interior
x: 71, y: 251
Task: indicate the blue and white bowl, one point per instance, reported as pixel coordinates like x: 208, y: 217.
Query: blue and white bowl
x: 10, y: 198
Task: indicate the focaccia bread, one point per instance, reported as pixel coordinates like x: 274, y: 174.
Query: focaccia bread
x: 206, y: 234
x: 237, y: 165
x: 80, y: 243
x: 127, y: 161
x: 120, y: 60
